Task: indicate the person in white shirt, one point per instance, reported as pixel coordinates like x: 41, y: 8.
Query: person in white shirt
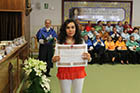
x: 119, y: 27
x: 125, y: 35
x: 109, y: 28
x: 99, y: 48
x: 92, y: 34
x: 114, y: 34
x: 136, y: 35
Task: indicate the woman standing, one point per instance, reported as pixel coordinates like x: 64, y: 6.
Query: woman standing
x: 70, y: 76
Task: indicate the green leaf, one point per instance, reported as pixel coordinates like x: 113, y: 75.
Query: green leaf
x: 35, y: 87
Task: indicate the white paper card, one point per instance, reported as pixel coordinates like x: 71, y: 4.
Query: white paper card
x: 71, y: 55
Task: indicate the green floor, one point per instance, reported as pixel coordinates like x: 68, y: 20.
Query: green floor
x: 106, y: 79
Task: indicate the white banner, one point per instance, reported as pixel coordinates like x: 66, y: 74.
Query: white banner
x: 103, y: 14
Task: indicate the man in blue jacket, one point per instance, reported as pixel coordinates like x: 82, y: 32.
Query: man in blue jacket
x: 46, y: 37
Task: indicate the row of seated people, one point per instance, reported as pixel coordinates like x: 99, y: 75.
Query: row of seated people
x: 108, y: 26
x: 113, y: 51
x: 114, y: 33
x: 125, y: 30
x: 112, y: 43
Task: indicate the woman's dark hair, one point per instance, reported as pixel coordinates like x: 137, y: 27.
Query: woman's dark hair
x: 62, y: 34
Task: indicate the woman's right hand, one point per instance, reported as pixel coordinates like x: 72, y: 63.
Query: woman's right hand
x: 55, y: 58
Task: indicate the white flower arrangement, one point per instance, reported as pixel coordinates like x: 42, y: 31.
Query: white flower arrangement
x: 35, y: 70
x: 45, y: 83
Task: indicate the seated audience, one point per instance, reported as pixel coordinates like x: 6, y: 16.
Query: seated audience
x: 114, y: 34
x: 88, y: 42
x: 109, y: 28
x: 83, y: 31
x: 104, y: 34
x: 128, y: 27
x: 88, y: 26
x: 99, y: 25
x: 134, y: 50
x: 90, y: 46
x: 119, y: 27
x: 92, y: 34
x: 125, y: 35
x: 99, y: 46
x: 110, y: 49
x: 122, y: 50
x: 78, y: 22
x: 136, y: 35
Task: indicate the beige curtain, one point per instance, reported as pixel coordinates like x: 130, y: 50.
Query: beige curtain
x: 10, y: 25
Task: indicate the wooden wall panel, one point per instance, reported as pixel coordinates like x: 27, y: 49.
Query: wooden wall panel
x: 17, y: 6
x: 12, y: 5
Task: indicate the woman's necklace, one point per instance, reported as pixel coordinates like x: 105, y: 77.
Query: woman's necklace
x: 70, y: 41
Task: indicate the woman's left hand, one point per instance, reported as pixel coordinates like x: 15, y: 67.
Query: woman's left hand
x: 86, y: 56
